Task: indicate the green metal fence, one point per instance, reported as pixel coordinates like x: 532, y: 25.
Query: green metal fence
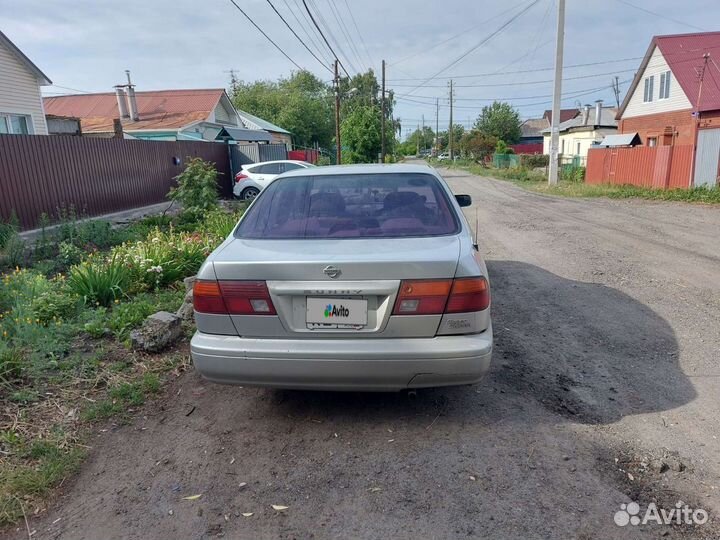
x: 506, y: 161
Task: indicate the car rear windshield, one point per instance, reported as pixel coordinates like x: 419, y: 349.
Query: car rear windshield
x: 351, y: 206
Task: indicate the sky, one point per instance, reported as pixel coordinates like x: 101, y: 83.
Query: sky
x: 492, y: 49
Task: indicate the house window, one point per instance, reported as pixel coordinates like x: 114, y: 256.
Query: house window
x: 652, y: 141
x: 665, y: 85
x: 578, y: 150
x: 649, y: 83
x: 15, y: 123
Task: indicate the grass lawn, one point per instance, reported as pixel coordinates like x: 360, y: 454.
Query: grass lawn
x: 535, y: 181
x: 67, y: 307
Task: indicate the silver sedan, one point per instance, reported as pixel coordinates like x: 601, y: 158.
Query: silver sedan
x: 346, y: 278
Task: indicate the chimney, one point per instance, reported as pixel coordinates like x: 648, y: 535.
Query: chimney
x: 585, y: 114
x: 122, y: 102
x: 132, y: 101
x: 598, y: 112
x: 117, y: 129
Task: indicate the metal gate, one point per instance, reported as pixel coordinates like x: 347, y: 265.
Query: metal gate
x: 707, y: 157
x: 243, y: 154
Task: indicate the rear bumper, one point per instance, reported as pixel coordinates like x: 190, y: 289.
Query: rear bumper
x: 343, y: 364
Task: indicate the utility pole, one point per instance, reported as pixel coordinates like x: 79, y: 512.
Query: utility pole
x: 450, y: 128
x: 423, y: 132
x: 557, y: 93
x: 437, y: 126
x: 417, y: 142
x: 338, y: 151
x: 382, y: 119
x: 696, y: 113
x: 616, y: 90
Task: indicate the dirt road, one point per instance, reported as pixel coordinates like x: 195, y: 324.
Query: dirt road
x: 606, y: 373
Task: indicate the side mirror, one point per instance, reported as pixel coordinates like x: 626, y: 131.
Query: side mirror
x: 463, y: 200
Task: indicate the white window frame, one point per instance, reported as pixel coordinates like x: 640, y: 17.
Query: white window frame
x: 28, y: 122
x: 664, y: 85
x: 648, y: 89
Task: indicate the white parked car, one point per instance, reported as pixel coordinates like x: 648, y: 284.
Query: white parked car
x: 253, y: 177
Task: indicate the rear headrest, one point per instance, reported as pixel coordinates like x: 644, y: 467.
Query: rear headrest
x: 326, y: 203
x: 399, y: 199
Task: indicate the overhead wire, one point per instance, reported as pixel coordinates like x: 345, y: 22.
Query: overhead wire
x: 357, y: 29
x: 298, y: 37
x: 343, y: 28
x: 312, y: 18
x: 328, y: 29
x: 314, y: 37
x: 479, y: 44
x: 241, y: 10
x: 454, y: 36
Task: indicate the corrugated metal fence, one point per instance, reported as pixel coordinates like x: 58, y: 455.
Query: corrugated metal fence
x: 242, y: 154
x: 41, y: 174
x: 661, y: 167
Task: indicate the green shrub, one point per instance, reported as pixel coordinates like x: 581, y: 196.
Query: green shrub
x: 69, y: 254
x: 15, y: 252
x: 8, y: 229
x: 164, y: 258
x: 533, y: 161
x: 220, y: 223
x: 54, y: 305
x: 99, y: 282
x: 197, y: 188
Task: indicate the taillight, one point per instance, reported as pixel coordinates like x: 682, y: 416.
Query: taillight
x: 233, y: 297
x: 468, y: 294
x: 437, y: 296
x: 239, y: 177
x: 207, y: 297
x: 422, y: 297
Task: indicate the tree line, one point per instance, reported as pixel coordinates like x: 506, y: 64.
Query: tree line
x: 305, y: 105
x: 496, y: 127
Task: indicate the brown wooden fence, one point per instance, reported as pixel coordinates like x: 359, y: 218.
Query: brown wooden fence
x: 663, y: 167
x: 41, y: 174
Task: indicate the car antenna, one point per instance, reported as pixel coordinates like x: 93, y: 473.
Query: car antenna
x: 477, y: 226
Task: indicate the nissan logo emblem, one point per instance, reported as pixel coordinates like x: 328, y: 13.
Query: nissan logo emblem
x: 332, y: 271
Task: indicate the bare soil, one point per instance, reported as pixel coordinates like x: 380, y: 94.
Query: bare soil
x: 606, y: 373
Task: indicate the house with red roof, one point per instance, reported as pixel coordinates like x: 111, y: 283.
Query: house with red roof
x: 674, y: 100
x: 164, y: 115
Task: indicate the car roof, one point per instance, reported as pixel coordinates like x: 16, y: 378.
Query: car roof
x: 374, y: 168
x: 299, y: 162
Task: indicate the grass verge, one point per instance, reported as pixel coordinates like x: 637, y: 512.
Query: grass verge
x: 537, y: 181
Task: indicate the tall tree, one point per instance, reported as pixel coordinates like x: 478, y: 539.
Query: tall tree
x: 360, y: 135
x: 301, y: 104
x: 499, y: 120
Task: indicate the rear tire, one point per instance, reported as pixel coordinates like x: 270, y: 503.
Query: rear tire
x: 248, y: 194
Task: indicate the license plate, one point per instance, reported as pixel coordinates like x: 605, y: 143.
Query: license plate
x: 338, y: 312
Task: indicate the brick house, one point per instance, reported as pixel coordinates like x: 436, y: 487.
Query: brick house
x: 674, y: 100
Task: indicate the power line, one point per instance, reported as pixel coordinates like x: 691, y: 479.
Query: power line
x: 535, y: 70
x: 357, y: 29
x: 323, y: 36
x: 436, y: 45
x: 298, y: 37
x: 264, y: 34
x: 569, y: 95
x: 328, y: 29
x: 660, y: 15
x: 346, y: 33
x: 317, y: 43
x: 479, y: 44
x: 521, y: 83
